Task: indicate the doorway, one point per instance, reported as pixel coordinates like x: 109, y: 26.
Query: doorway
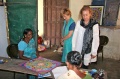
x: 52, y: 20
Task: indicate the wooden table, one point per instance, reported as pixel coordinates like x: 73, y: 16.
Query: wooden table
x: 12, y: 65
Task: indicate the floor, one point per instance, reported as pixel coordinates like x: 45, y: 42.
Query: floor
x: 112, y: 67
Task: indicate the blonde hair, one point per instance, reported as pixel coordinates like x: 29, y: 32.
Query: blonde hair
x: 85, y: 7
x: 65, y: 11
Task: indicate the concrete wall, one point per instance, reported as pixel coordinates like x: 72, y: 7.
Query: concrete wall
x: 112, y: 49
x: 40, y: 18
x: 3, y: 33
x: 76, y: 5
x: 118, y: 19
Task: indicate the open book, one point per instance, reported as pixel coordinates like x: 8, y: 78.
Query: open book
x: 59, y: 71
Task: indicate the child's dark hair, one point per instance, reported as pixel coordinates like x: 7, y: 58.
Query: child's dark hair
x: 74, y: 58
x: 26, y: 31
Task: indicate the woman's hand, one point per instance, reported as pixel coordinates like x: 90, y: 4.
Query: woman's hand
x: 93, y: 56
x: 62, y: 40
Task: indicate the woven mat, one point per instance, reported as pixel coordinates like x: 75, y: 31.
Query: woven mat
x: 41, y: 65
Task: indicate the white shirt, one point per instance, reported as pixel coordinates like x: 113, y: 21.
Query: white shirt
x: 69, y: 75
x: 77, y: 41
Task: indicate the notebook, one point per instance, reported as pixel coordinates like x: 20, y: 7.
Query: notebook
x: 59, y: 71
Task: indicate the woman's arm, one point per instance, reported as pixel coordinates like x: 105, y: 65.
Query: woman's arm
x: 71, y: 29
x: 95, y: 42
x: 68, y: 35
x: 22, y: 57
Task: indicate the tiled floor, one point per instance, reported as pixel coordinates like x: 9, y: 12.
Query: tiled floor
x: 112, y: 67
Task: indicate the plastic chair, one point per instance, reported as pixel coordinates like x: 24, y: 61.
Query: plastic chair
x: 103, y: 41
x: 12, y: 50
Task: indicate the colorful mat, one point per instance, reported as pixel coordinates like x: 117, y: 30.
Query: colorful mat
x: 41, y: 65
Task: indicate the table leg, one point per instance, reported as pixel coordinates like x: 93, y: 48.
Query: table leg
x: 27, y: 76
x: 13, y: 75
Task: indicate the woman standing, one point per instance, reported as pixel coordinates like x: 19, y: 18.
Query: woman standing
x: 86, y: 36
x: 67, y: 32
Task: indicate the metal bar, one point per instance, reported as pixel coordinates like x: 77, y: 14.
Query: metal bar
x: 56, y: 20
x: 45, y: 18
x: 61, y: 23
x: 51, y: 24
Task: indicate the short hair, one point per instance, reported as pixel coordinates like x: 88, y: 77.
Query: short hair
x: 85, y: 7
x: 74, y: 58
x: 66, y: 11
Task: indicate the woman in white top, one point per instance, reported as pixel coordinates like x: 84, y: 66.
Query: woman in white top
x: 74, y: 62
x: 86, y: 36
